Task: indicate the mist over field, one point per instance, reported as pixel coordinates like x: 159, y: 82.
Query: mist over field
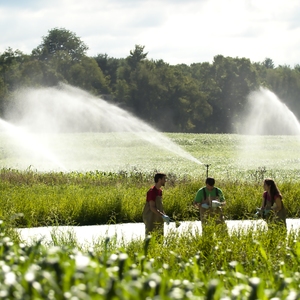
x: 67, y: 129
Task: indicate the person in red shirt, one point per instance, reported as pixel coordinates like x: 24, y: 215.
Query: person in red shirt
x: 154, y: 215
x: 272, y: 206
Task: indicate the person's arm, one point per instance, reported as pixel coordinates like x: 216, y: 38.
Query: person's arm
x: 198, y: 199
x: 263, y: 201
x: 221, y: 196
x: 277, y: 206
x: 154, y: 209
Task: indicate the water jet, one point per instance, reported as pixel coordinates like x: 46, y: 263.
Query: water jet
x: 266, y: 118
x: 62, y: 120
x: 266, y: 114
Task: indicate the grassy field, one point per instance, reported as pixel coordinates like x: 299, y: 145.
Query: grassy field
x: 117, y: 195
x: 229, y: 156
x: 256, y: 264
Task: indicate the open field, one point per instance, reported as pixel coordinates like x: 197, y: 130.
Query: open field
x: 122, y: 168
x: 230, y: 157
x: 104, y: 181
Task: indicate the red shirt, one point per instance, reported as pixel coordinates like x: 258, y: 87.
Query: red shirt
x: 153, y: 193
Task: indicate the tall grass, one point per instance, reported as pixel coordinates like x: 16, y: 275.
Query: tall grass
x: 44, y: 199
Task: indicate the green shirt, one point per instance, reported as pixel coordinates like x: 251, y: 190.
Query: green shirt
x: 213, y: 194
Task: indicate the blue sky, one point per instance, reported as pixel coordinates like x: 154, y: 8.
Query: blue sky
x: 177, y: 31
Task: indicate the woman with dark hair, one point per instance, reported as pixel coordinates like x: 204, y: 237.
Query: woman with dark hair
x: 272, y: 204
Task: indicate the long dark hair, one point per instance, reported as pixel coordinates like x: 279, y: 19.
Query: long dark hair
x: 273, y: 188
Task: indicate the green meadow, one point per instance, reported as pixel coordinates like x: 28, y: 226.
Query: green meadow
x: 114, y: 191
x: 230, y: 156
x: 252, y: 264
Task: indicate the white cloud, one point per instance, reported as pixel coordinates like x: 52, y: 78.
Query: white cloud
x: 175, y: 31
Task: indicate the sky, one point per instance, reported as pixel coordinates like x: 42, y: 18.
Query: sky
x: 176, y: 31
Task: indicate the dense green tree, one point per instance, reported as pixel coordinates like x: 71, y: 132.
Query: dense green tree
x: 64, y: 55
x: 3, y: 93
x: 268, y: 63
x: 202, y: 97
x: 10, y: 62
x: 88, y: 76
x: 122, y: 92
x: 204, y: 73
x: 189, y: 104
x: 109, y: 67
x: 136, y: 56
x: 285, y: 83
x: 235, y: 79
x: 62, y: 42
x: 297, y: 67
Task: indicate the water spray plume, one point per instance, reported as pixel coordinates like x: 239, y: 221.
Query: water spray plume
x: 267, y: 115
x: 63, y: 110
x: 26, y: 142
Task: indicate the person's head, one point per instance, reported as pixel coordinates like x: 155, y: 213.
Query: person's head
x: 160, y: 178
x: 271, y: 187
x: 210, y: 183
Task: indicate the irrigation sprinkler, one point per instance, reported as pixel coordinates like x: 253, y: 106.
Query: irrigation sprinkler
x: 207, y: 166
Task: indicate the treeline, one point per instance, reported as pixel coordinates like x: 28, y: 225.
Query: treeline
x: 201, y: 97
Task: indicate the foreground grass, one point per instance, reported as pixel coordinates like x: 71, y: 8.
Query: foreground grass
x: 256, y: 264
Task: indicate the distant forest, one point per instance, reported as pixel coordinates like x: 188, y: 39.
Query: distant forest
x: 198, y: 98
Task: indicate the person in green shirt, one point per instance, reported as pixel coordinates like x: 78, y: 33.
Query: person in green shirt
x: 210, y: 200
